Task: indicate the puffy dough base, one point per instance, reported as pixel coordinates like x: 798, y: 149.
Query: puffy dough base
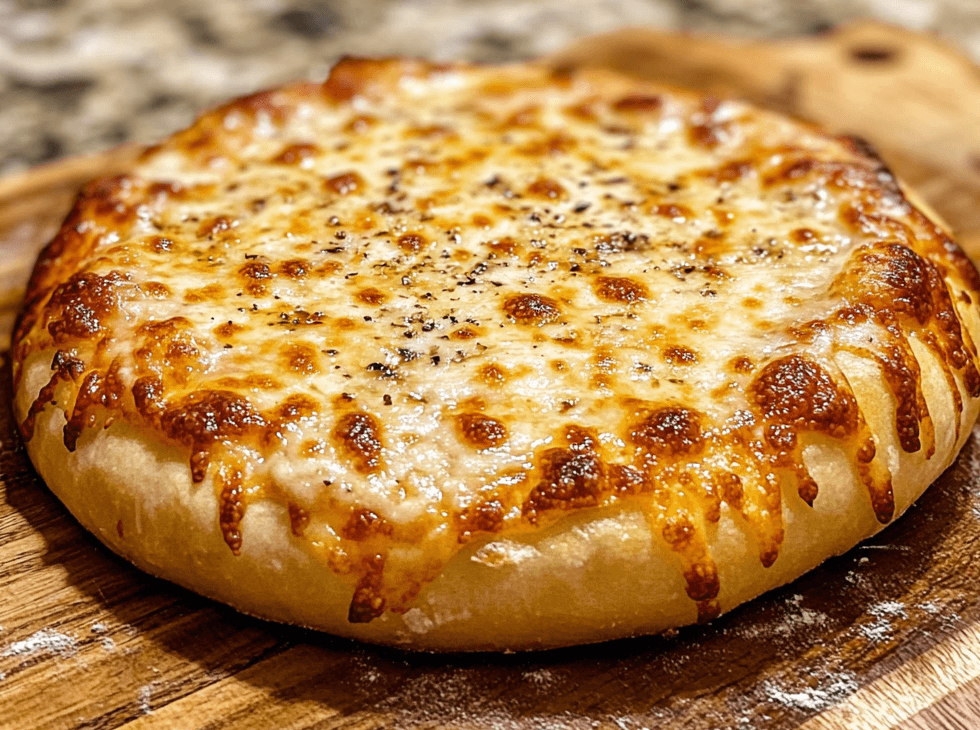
x: 596, y: 575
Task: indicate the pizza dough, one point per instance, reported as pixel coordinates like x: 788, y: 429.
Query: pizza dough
x: 465, y: 358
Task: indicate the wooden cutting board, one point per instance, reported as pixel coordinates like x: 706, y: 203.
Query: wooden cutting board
x: 887, y: 636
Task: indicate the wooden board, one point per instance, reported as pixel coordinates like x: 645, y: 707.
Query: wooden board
x: 887, y: 636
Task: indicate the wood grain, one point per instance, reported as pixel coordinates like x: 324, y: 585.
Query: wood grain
x: 887, y: 636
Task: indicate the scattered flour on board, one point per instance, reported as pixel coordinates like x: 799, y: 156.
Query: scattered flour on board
x: 813, y: 698
x: 365, y: 671
x: 881, y: 628
x: 45, y: 641
x: 453, y: 698
x: 889, y: 608
x: 108, y: 644
x: 793, y: 619
x: 99, y: 628
x: 541, y: 678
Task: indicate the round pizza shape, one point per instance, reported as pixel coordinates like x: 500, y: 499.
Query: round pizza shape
x: 459, y: 357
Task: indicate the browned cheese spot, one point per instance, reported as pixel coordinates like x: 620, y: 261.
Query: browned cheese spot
x: 732, y: 171
x: 556, y: 144
x: 199, y: 420
x: 742, y: 365
x: 148, y: 397
x: 360, y: 124
x: 372, y: 296
x: 227, y: 330
x: 531, y: 309
x: 672, y: 211
x: 638, y: 104
x: 504, y: 247
x: 705, y: 135
x: 893, y: 276
x: 620, y: 289
x: 669, y: 431
x: 359, y: 436
x: 678, y: 355
x: 351, y: 77
x: 363, y: 524
x: 168, y: 348
x: 547, y: 188
x: 296, y: 154
x: 700, y: 572
x: 97, y: 390
x: 313, y: 448
x: 231, y: 507
x: 299, y: 357
x: 493, y: 375
x: 156, y: 290
x: 213, y: 226
x: 295, y: 268
x: 345, y: 183
x: 412, y: 242
x: 213, y: 292
x: 167, y: 189
x: 85, y: 301
x: 569, y: 479
x: 795, y: 391
x: 255, y: 277
x: 730, y: 489
x: 484, y: 516
x: 464, y: 333
x: 480, y: 431
x: 299, y: 519
x: 893, y: 284
x: 368, y: 601
x: 296, y: 407
x: 804, y: 235
x: 64, y: 367
x: 159, y: 244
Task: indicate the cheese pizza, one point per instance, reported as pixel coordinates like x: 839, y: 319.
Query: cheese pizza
x: 460, y: 357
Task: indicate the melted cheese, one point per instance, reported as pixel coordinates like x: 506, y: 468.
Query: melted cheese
x: 421, y: 304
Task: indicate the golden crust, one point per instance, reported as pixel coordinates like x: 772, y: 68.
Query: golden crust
x: 464, y: 357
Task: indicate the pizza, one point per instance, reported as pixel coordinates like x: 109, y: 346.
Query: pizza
x: 468, y: 357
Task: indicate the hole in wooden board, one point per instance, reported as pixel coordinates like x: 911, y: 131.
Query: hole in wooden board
x: 875, y: 54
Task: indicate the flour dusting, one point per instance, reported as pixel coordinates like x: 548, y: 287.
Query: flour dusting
x: 45, y: 641
x: 542, y: 678
x: 453, y: 698
x: 795, y: 618
x: 813, y: 698
x: 881, y: 628
x: 889, y: 608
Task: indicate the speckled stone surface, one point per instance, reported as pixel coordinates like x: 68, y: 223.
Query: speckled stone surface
x: 83, y: 75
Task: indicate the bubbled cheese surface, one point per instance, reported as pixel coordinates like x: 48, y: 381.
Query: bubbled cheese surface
x: 418, y: 305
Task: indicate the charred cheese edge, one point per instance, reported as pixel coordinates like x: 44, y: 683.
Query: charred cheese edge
x: 419, y: 307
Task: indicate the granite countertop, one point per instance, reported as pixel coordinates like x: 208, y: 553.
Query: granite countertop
x: 80, y: 76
